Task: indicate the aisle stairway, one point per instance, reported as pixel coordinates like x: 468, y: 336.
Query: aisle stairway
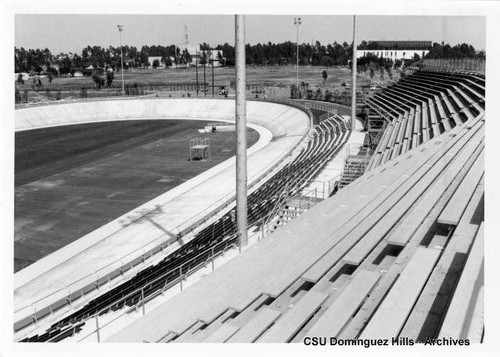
x: 354, y: 167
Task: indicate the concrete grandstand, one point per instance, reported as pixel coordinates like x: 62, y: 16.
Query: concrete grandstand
x: 398, y: 252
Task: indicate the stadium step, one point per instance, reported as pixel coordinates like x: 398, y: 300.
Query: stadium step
x: 354, y: 167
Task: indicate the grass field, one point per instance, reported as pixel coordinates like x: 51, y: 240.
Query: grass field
x: 256, y: 76
x: 71, y: 180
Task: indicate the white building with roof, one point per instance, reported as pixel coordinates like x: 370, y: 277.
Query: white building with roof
x: 395, y: 50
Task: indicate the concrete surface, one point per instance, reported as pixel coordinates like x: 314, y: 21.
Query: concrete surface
x: 106, y: 249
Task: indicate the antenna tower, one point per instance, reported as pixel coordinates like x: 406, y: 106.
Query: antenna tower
x: 186, y: 38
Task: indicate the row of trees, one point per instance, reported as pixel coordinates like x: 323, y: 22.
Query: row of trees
x: 463, y: 50
x: 316, y: 54
x: 260, y: 54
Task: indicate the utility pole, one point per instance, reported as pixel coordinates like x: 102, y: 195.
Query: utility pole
x: 197, y: 85
x: 120, y: 29
x: 354, y: 70
x: 204, y: 74
x: 297, y: 22
x: 186, y: 38
x: 213, y: 81
x: 241, y: 139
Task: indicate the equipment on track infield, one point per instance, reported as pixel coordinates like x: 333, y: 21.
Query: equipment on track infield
x: 199, y: 149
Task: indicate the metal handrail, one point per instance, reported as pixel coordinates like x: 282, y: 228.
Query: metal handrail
x: 476, y: 65
x: 229, y: 242
x: 226, y: 243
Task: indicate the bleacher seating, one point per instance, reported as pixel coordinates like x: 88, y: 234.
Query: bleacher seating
x: 423, y: 106
x: 329, y: 136
x: 397, y: 253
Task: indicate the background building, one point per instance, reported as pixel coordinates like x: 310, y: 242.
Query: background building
x: 394, y: 50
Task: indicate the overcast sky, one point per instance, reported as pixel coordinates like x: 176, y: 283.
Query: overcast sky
x: 70, y: 33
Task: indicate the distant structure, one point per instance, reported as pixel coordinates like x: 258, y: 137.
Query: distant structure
x: 24, y: 76
x: 213, y: 58
x: 395, y: 50
x: 161, y: 63
x: 199, y: 149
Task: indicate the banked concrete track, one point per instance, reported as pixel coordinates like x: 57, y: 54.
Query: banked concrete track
x: 56, y: 283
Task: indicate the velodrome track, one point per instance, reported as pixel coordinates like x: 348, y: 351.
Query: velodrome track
x: 77, y: 267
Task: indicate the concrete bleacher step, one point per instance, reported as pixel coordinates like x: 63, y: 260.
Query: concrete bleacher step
x: 293, y: 320
x: 475, y: 331
x: 187, y: 336
x: 428, y: 311
x: 404, y: 232
x: 392, y: 313
x: 470, y: 102
x: 344, y: 307
x: 368, y: 215
x: 198, y: 335
x: 246, y: 315
x: 458, y: 203
x: 222, y: 334
x: 445, y: 94
x: 255, y: 327
x: 463, y: 304
x: 398, y: 208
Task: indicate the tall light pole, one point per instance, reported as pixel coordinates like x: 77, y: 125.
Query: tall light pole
x: 241, y: 132
x: 213, y: 79
x: 204, y: 73
x: 297, y: 22
x: 197, y: 85
x: 120, y: 29
x: 354, y: 72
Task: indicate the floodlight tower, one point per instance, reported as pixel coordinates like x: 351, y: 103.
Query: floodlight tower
x: 186, y: 37
x: 204, y: 73
x: 297, y: 22
x: 197, y: 85
x: 120, y: 29
x: 213, y: 79
x: 354, y: 70
x: 241, y: 140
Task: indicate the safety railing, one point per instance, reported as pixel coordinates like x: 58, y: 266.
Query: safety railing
x: 184, y: 270
x: 328, y: 187
x: 383, y: 113
x: 415, y: 66
x: 331, y: 113
x: 327, y: 107
x: 33, y: 97
x: 357, y: 168
x: 376, y: 140
x: 476, y: 65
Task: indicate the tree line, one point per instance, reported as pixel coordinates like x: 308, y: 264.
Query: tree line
x: 317, y: 54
